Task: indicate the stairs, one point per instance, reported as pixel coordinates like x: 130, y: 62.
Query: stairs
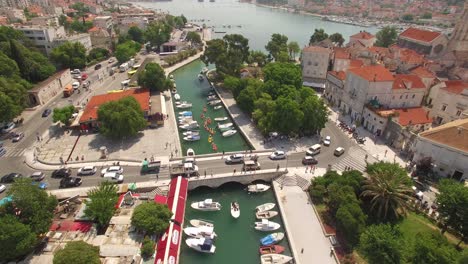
x: 158, y: 190
x: 294, y: 180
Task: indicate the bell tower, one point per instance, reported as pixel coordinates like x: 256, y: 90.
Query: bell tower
x: 458, y: 42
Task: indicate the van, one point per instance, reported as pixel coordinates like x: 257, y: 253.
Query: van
x: 123, y: 67
x: 314, y: 150
x: 125, y: 83
x: 250, y: 165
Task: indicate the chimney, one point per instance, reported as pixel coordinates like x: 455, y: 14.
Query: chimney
x: 375, y: 77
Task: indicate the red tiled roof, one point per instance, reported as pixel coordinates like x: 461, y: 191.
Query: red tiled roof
x: 456, y: 86
x: 94, y: 29
x: 420, y: 34
x: 338, y: 74
x: 407, y: 81
x: 363, y: 35
x: 316, y: 49
x: 378, y: 49
x: 375, y: 73
x: 90, y: 112
x: 413, y: 116
x: 423, y: 72
x: 356, y: 64
x: 341, y: 53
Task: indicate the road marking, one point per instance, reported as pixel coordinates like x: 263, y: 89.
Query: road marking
x: 13, y: 152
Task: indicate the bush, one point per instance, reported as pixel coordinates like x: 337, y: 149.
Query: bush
x: 147, y: 248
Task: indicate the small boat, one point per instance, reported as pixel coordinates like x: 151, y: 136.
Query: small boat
x: 229, y: 133
x: 211, y: 93
x: 200, y: 77
x: 266, y: 214
x: 189, y: 126
x: 206, y: 205
x: 185, y: 113
x: 265, y: 207
x: 217, y: 107
x: 190, y: 152
x: 204, y: 245
x: 177, y: 97
x: 224, y: 129
x: 212, y: 97
x: 204, y: 70
x: 214, y: 102
x: 184, y: 105
x: 235, y: 209
x: 274, y: 259
x: 199, y: 222
x: 192, y: 133
x: 192, y: 138
x: 174, y: 90
x: 266, y: 225
x: 256, y: 188
x: 273, y: 249
x: 220, y: 119
x: 227, y: 125
x: 272, y: 239
x: 171, y: 77
x: 202, y: 231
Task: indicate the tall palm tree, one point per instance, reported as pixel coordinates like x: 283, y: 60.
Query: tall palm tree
x: 388, y: 188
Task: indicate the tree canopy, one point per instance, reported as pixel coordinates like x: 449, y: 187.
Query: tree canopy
x: 126, y: 50
x: 158, y: 33
x: 152, y: 218
x: 63, y: 114
x: 337, y: 38
x: 319, y: 35
x: 16, y: 238
x: 430, y: 248
x: 154, y: 78
x: 121, y: 119
x: 98, y: 54
x: 69, y: 55
x: 293, y: 49
x: 382, y: 244
x: 77, y: 252
x: 386, y: 36
x: 277, y: 45
x: 257, y: 57
x: 194, y: 38
x: 136, y: 34
x: 101, y: 204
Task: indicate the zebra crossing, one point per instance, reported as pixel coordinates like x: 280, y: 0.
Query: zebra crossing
x: 356, y: 160
x: 294, y: 180
x: 12, y: 152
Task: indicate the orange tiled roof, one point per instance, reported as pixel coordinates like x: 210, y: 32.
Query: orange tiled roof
x: 94, y: 29
x: 420, y: 34
x: 356, y: 63
x: 423, y: 72
x: 316, y: 49
x: 413, y: 116
x: 341, y: 53
x: 338, y: 74
x: 376, y: 73
x: 456, y: 86
x: 378, y: 49
x: 363, y: 35
x: 90, y: 112
x: 407, y: 81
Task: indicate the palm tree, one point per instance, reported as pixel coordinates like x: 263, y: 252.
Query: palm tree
x: 388, y: 187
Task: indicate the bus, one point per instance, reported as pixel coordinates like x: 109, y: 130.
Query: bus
x: 130, y: 73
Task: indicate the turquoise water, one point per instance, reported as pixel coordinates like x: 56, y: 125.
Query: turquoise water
x: 192, y: 90
x: 237, y: 242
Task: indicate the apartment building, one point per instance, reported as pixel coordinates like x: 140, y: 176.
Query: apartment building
x: 448, y: 101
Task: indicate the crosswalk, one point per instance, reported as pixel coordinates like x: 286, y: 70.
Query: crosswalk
x: 12, y: 152
x: 294, y: 180
x: 356, y: 160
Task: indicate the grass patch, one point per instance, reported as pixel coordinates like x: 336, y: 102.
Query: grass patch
x: 321, y: 208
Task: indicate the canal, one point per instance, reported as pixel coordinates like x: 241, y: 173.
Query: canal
x: 237, y: 241
x: 195, y: 91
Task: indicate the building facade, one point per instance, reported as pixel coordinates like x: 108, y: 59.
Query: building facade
x: 448, y: 101
x: 423, y: 41
x: 315, y: 62
x: 83, y: 38
x: 43, y: 92
x: 43, y: 37
x: 364, y: 38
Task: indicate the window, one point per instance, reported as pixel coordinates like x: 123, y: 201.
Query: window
x: 309, y: 63
x: 40, y: 38
x: 413, y: 96
x: 459, y: 112
x: 444, y: 107
x: 393, y: 97
x: 406, y: 97
x: 401, y: 96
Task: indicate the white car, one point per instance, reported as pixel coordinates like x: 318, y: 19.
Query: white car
x: 87, y: 170
x: 114, y: 177
x: 339, y: 151
x: 8, y: 127
x: 277, y: 155
x: 116, y: 169
x: 76, y: 85
x: 236, y: 158
x: 2, y: 188
x: 327, y: 141
x: 75, y: 71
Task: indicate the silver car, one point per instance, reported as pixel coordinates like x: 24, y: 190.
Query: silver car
x: 116, y: 169
x: 87, y: 170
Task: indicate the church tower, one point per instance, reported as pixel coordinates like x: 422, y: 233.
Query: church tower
x: 459, y: 41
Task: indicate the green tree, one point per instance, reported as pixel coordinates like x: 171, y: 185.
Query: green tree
x: 351, y: 221
x: 247, y: 97
x: 121, y: 119
x: 158, y: 33
x: 293, y: 49
x: 287, y: 109
x: 16, y: 238
x: 453, y: 209
x: 8, y: 33
x: 315, y: 115
x: 283, y: 74
x: 427, y: 15
x: 337, y: 38
x: 63, y: 21
x: 8, y: 67
x: 154, y: 78
x: 258, y: 57
x: 147, y: 249
x: 277, y: 44
x: 15, y: 89
x: 319, y: 35
x: 227, y: 54
x: 101, y: 204
x: 70, y: 55
x: 194, y: 38
x: 263, y: 113
x: 8, y: 108
x: 235, y: 85
x: 152, y: 218
x: 463, y: 257
x: 63, y: 114
x: 33, y: 206
x: 98, y: 54
x: 126, y: 50
x: 80, y: 26
x: 184, y: 19
x: 136, y: 34
x: 432, y: 248
x: 339, y: 195
x: 388, y: 188
x: 77, y: 252
x: 386, y: 36
x: 33, y: 66
x: 382, y: 244
x: 407, y: 17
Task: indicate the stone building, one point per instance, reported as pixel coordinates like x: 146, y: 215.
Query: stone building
x: 46, y: 90
x: 448, y: 101
x: 315, y: 62
x: 423, y: 41
x: 458, y: 43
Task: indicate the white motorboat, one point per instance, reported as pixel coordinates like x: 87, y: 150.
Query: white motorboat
x: 204, y: 70
x: 184, y: 105
x: 174, y: 90
x: 177, y: 103
x: 199, y: 222
x: 185, y: 120
x: 190, y: 152
x: 206, y: 205
x: 177, y: 97
x: 192, y: 138
x: 266, y: 225
x: 229, y: 133
x: 190, y: 126
x: 275, y: 259
x: 171, y: 77
x: 235, y: 209
x: 200, y: 77
x: 217, y: 107
x: 204, y: 245
x: 214, y: 102
x: 202, y: 231
x: 265, y: 207
x: 256, y: 188
x: 221, y: 119
x: 227, y: 125
x: 212, y: 97
x: 266, y: 214
x: 272, y: 239
x: 192, y: 133
x: 226, y: 129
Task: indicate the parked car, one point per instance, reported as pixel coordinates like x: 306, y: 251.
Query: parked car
x: 86, y: 84
x: 84, y: 76
x: 309, y: 160
x: 75, y: 71
x: 111, y: 60
x: 76, y: 85
x: 8, y: 127
x: 327, y: 141
x: 46, y: 112
x: 41, y: 185
x: 339, y: 151
x: 2, y: 188
x: 116, y: 169
x: 37, y: 176
x: 234, y: 159
x: 16, y: 137
x: 10, y: 177
x: 114, y: 177
x: 87, y: 170
x: 70, y: 182
x: 98, y: 66
x: 61, y: 173
x: 278, y: 155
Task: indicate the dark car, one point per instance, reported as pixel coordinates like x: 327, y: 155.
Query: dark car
x: 46, y: 112
x: 61, y: 173
x: 309, y: 160
x: 97, y: 67
x: 70, y: 182
x: 10, y: 177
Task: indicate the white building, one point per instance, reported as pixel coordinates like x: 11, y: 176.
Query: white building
x: 363, y: 38
x: 43, y: 37
x: 447, y: 145
x: 315, y: 61
x: 408, y: 91
x: 448, y: 101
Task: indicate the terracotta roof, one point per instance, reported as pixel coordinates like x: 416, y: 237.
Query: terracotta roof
x: 94, y: 29
x: 413, y: 116
x: 423, y: 72
x: 316, y: 49
x: 338, y: 74
x: 420, y: 34
x: 380, y: 50
x: 407, y: 55
x: 341, y: 53
x: 456, y: 87
x: 356, y: 64
x: 375, y: 73
x: 407, y: 81
x: 90, y: 112
x: 453, y: 134
x: 363, y: 35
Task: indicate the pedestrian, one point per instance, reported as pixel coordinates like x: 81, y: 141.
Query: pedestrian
x: 205, y: 173
x: 277, y: 167
x: 172, y: 155
x: 314, y: 168
x: 385, y: 155
x: 82, y: 157
x: 157, y: 176
x: 306, y: 169
x: 234, y: 172
x: 211, y: 173
x: 302, y: 250
x: 332, y: 250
